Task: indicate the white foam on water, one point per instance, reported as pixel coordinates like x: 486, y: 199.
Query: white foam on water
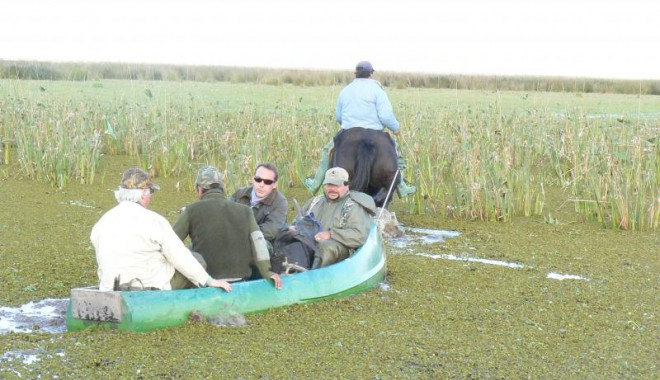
x: 422, y: 236
x: 16, y: 358
x: 384, y: 286
x: 474, y: 260
x: 48, y: 315
x: 29, y: 359
x: 18, y: 362
x: 560, y: 276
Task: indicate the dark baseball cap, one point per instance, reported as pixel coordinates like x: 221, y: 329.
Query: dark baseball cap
x: 364, y: 66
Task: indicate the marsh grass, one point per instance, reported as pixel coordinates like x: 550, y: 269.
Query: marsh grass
x: 473, y: 154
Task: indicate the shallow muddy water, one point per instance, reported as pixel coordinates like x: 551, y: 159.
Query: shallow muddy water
x: 462, y: 299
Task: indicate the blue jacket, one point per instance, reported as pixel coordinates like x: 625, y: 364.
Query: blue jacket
x: 364, y: 103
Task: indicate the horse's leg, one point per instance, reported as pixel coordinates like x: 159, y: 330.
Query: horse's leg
x: 380, y: 197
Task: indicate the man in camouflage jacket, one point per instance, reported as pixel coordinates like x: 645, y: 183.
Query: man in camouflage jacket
x: 345, y: 218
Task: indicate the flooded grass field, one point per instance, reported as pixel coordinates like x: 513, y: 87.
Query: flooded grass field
x: 536, y: 297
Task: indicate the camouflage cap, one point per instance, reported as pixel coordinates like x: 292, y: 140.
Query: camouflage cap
x: 209, y: 175
x: 136, y: 178
x: 336, y: 176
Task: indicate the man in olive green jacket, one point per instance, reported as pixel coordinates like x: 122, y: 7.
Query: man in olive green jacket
x: 344, y: 215
x: 268, y: 205
x: 225, y: 233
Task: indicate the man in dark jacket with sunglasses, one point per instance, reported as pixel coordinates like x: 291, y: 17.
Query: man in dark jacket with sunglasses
x: 269, y: 205
x: 223, y: 232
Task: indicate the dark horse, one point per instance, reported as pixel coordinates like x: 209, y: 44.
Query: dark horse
x: 370, y: 159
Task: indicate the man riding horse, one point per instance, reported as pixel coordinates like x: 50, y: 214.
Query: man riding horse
x: 363, y: 103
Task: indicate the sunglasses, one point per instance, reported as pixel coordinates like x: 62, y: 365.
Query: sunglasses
x: 266, y: 181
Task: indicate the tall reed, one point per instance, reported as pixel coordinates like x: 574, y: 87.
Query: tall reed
x: 473, y: 155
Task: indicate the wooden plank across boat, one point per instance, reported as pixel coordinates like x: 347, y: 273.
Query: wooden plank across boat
x: 149, y: 310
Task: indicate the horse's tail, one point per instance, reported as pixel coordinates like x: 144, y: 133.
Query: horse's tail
x: 366, y: 156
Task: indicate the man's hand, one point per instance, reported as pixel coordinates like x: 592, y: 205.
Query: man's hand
x: 288, y: 233
x: 323, y: 235
x: 277, y: 279
x: 219, y: 284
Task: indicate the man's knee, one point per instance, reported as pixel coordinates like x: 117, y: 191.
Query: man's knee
x: 328, y: 253
x: 323, y: 259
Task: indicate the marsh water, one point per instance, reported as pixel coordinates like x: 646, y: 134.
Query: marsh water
x: 539, y: 297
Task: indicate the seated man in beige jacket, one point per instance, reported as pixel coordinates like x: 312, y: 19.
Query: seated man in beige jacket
x: 139, y: 247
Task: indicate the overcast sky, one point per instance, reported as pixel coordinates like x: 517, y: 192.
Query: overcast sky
x: 606, y: 38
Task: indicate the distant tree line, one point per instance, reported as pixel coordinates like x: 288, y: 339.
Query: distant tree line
x: 299, y: 77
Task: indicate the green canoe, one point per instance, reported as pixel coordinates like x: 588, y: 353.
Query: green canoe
x: 149, y: 310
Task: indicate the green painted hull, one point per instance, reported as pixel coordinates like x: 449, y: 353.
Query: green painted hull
x: 149, y: 310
